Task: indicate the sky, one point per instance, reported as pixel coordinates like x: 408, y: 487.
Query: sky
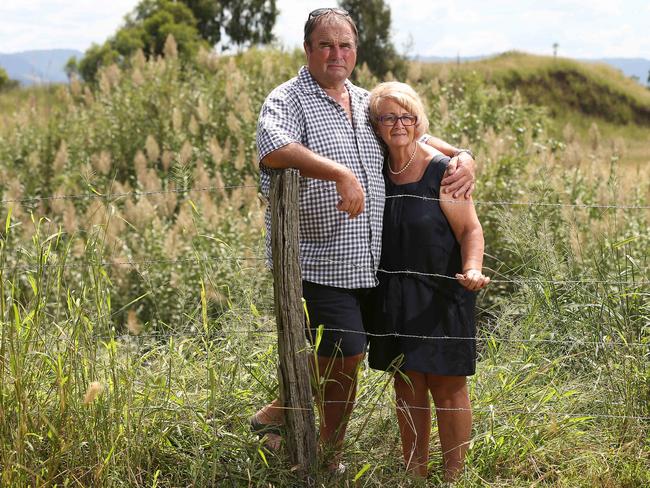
x: 582, y: 28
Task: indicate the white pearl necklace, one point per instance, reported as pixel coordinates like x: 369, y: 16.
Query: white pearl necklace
x: 415, y: 149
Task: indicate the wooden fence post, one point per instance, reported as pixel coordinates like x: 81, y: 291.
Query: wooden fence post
x: 295, y: 387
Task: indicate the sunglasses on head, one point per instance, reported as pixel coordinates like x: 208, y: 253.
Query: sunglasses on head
x: 322, y: 11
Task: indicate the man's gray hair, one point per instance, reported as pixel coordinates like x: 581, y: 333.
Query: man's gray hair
x: 329, y: 16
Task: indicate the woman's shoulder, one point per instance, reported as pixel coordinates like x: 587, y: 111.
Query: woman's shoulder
x: 437, y: 165
x: 436, y: 158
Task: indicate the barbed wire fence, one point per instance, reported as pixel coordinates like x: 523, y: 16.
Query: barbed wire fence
x: 503, y: 203
x: 641, y: 284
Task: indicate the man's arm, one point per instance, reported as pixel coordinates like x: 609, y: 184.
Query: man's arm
x: 312, y: 165
x: 279, y: 132
x: 460, y: 175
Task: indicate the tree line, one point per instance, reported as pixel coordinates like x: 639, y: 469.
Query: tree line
x: 227, y: 24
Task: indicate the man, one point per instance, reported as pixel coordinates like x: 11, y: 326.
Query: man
x: 318, y: 123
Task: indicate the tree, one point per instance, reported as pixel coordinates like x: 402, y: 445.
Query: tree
x: 192, y: 23
x: 375, y: 47
x: 95, y: 57
x: 171, y: 18
x: 243, y: 21
x: 146, y: 28
x: 4, y: 78
x: 71, y: 67
x: 5, y: 82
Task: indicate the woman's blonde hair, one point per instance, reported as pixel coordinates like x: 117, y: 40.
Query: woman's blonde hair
x: 405, y: 96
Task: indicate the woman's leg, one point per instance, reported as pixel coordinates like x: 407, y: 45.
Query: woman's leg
x: 454, y: 426
x: 414, y: 419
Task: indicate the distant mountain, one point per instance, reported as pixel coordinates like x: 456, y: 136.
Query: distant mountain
x: 42, y: 66
x: 47, y: 66
x: 638, y: 67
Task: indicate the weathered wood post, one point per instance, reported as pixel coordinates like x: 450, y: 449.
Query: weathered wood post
x: 295, y: 388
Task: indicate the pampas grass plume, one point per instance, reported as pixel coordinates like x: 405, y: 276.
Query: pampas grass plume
x: 94, y: 390
x: 132, y: 323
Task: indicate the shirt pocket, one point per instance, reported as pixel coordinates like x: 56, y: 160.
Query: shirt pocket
x: 319, y: 217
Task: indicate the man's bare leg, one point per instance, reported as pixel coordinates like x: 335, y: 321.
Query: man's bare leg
x: 271, y: 415
x: 338, y: 376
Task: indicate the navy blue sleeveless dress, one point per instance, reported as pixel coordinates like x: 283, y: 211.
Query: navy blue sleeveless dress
x: 417, y: 237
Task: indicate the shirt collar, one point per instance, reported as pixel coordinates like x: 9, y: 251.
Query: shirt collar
x: 309, y: 85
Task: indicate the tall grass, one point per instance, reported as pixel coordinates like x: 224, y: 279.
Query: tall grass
x: 137, y: 326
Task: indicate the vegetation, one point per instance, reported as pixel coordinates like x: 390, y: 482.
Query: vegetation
x: 192, y: 24
x: 376, y: 49
x: 136, y: 321
x: 4, y: 78
x: 563, y: 86
x: 6, y: 82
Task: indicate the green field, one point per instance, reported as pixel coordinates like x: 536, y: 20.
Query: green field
x: 137, y: 330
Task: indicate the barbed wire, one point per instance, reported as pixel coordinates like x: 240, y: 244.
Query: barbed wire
x: 147, y: 262
x: 132, y: 262
x: 107, y: 196
x: 490, y: 409
x: 604, y: 341
x: 504, y: 203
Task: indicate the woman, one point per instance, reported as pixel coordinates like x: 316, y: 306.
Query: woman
x: 434, y: 236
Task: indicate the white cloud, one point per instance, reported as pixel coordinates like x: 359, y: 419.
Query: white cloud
x: 291, y: 20
x: 41, y: 24
x: 583, y: 28
x: 600, y: 7
x: 480, y: 42
x: 615, y: 41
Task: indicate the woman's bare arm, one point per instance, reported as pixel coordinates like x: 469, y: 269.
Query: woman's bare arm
x: 467, y: 229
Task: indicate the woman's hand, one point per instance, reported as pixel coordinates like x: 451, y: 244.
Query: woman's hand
x: 473, y: 279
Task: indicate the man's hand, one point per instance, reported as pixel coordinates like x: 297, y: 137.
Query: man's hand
x: 352, y: 199
x: 459, y: 177
x: 312, y: 165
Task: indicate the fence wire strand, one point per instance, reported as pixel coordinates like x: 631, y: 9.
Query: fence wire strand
x: 491, y: 409
x: 108, y: 196
x: 605, y: 341
x: 206, y: 259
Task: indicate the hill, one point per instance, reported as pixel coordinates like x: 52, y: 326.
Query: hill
x: 39, y: 66
x: 630, y: 67
x: 562, y: 85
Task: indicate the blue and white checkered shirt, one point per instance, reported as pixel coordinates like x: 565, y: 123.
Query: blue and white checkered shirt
x: 334, y: 250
